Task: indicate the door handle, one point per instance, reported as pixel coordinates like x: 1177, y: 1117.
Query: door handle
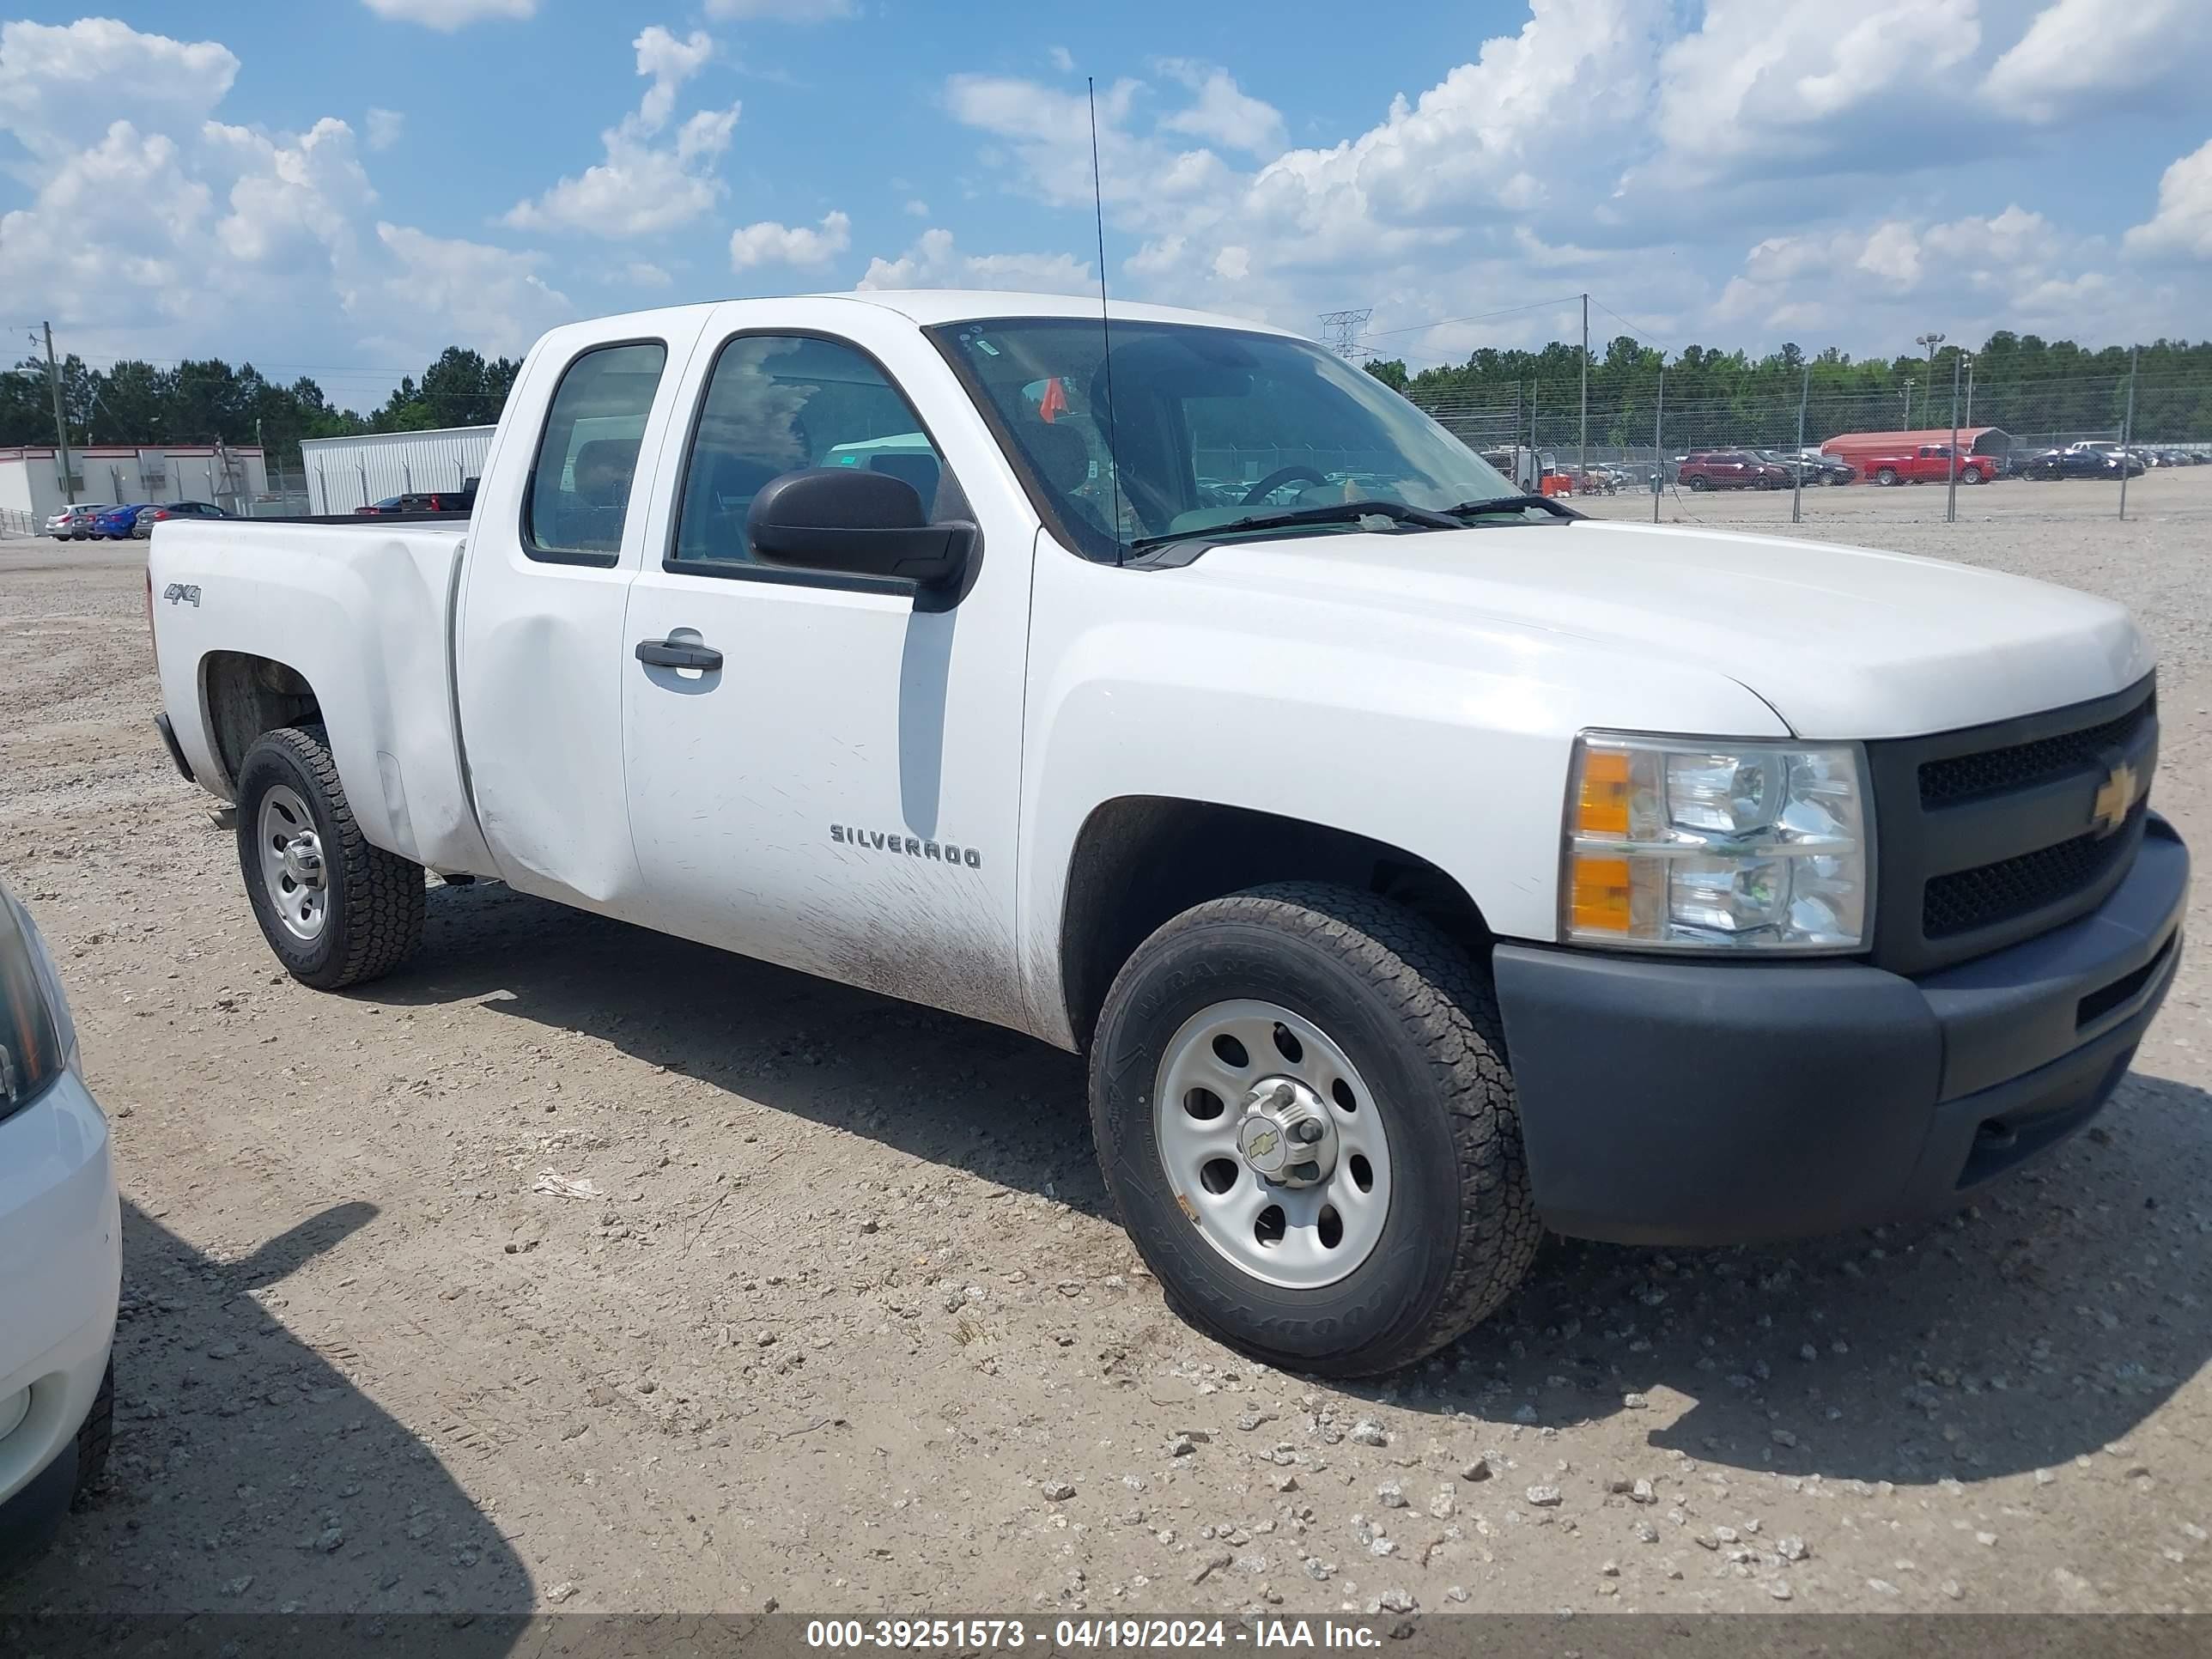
x: 679, y: 653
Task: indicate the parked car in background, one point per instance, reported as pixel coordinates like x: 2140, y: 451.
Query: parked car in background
x: 116, y: 524
x: 435, y: 501
x: 2077, y: 462
x: 160, y: 513
x: 1731, y: 469
x: 61, y: 1238
x: 1817, y: 468
x: 1930, y: 464
x: 74, y: 524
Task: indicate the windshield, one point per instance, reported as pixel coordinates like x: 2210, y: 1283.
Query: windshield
x: 1208, y: 425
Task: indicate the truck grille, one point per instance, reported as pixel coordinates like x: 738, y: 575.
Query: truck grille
x: 1992, y: 893
x: 1962, y: 777
x: 1989, y: 835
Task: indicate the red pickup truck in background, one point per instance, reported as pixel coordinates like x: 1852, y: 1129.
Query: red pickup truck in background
x: 1927, y: 463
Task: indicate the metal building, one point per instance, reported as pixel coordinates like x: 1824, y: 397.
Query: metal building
x: 344, y: 473
x: 232, y: 476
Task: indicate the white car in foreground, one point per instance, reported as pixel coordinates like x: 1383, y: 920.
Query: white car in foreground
x: 61, y: 1240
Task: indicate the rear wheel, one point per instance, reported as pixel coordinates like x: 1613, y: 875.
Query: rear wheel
x: 335, y: 910
x: 1699, y: 484
x: 1887, y: 476
x: 1305, y: 1116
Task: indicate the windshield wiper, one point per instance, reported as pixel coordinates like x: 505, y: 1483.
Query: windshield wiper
x: 1515, y: 504
x: 1334, y: 513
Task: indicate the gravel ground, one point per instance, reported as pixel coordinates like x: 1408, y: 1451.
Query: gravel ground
x: 579, y: 1268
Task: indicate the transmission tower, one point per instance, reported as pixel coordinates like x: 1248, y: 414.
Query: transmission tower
x: 1340, y: 331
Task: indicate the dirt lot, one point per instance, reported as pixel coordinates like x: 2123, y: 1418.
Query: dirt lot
x: 848, y: 1304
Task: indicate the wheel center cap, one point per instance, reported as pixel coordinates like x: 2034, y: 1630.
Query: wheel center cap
x: 1287, y: 1136
x: 303, y: 860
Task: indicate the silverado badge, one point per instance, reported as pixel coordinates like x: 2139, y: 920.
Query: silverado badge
x: 2116, y: 798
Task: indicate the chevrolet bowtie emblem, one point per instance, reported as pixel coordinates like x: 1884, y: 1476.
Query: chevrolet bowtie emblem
x: 2115, y: 796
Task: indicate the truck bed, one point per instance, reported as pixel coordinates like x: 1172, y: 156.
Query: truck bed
x: 361, y: 611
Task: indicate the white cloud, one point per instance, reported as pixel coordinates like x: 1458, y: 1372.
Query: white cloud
x: 2182, y: 224
x: 1762, y: 82
x: 385, y: 127
x: 768, y: 243
x: 643, y: 273
x: 917, y: 208
x: 641, y: 187
x: 173, y: 234
x: 671, y: 62
x: 2083, y: 53
x: 447, y: 16
x: 1224, y: 112
x: 492, y: 296
x: 780, y: 11
x: 58, y: 85
x: 1062, y: 59
x: 934, y: 262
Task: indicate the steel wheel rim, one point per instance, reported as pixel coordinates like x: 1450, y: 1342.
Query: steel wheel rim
x: 293, y: 874
x: 1303, y: 1238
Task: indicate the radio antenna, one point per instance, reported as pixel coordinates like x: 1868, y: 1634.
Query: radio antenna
x: 1105, y: 324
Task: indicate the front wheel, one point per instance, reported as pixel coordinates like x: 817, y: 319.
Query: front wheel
x: 1700, y: 485
x: 335, y: 910
x: 1305, y: 1116
x: 1887, y: 476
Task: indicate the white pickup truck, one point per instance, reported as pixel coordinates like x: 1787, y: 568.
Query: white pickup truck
x: 1420, y: 864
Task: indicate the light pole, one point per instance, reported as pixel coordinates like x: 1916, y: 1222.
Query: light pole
x: 1908, y: 403
x: 1928, y: 343
x: 1970, y: 388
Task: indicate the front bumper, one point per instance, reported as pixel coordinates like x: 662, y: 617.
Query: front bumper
x: 61, y: 1238
x: 1681, y: 1101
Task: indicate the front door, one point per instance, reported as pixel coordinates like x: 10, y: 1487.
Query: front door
x: 823, y: 770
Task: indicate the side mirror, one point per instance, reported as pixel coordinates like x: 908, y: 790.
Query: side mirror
x: 858, y: 522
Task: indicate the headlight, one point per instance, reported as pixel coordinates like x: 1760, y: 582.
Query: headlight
x: 1720, y: 845
x: 34, y: 1031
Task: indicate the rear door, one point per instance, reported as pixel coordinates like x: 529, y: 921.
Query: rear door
x: 839, y: 790
x: 553, y: 548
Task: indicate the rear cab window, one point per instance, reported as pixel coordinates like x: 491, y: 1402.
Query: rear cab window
x: 578, y: 502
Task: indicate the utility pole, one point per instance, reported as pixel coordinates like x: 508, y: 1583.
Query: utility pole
x: 1928, y: 343
x: 1970, y: 388
x: 1950, y: 507
x: 1797, y: 472
x: 2127, y: 429
x: 1908, y: 403
x: 61, y: 427
x: 1658, y: 446
x: 1582, y: 482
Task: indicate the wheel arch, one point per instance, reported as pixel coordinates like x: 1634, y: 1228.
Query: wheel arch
x: 243, y: 695
x: 1138, y: 861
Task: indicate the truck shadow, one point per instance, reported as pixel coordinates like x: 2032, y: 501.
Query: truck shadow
x: 952, y: 1090
x: 2044, y: 1324
x: 249, y: 1476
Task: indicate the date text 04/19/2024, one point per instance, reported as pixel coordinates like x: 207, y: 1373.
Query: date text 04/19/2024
x: 970, y: 1635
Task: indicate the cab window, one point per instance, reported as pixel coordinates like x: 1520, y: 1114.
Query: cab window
x: 777, y: 403
x: 579, y: 487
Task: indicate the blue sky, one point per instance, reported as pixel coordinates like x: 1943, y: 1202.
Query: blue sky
x: 348, y: 192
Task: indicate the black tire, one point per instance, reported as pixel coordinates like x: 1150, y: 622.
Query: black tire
x: 1887, y: 476
x: 376, y: 898
x: 95, y: 1436
x: 1699, y: 484
x: 1422, y: 1025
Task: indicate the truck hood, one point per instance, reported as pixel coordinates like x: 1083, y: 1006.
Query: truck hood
x: 1843, y: 643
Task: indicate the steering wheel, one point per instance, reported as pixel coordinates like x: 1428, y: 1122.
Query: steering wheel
x: 1275, y: 480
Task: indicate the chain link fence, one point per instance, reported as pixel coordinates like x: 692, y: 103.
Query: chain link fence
x: 1829, y: 452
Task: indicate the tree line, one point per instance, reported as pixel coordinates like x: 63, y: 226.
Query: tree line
x: 2021, y: 382
x: 207, y: 401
